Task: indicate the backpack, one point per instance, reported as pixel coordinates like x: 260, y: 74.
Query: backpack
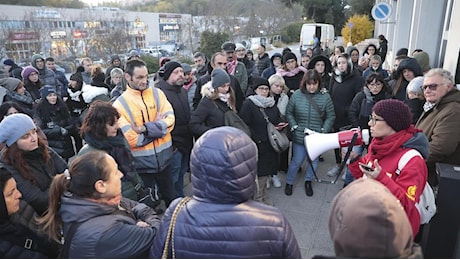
x: 426, y: 205
x: 231, y: 118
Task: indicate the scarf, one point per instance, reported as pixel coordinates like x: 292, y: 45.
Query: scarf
x: 231, y: 67
x: 428, y: 106
x: 25, y: 98
x: 262, y: 101
x: 291, y: 73
x: 117, y: 147
x: 225, y: 98
x: 381, y: 147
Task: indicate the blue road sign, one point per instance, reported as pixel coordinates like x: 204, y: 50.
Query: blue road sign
x: 381, y: 11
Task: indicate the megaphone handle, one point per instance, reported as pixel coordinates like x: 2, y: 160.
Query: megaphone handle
x: 347, y: 155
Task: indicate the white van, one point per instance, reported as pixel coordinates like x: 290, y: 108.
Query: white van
x: 324, y: 32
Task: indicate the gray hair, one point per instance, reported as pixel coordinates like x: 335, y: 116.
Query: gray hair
x: 445, y: 74
x: 116, y: 71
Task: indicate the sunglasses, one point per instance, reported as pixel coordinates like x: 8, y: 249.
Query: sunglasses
x: 432, y: 87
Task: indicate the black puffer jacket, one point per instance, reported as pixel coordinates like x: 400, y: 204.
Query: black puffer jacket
x: 221, y: 221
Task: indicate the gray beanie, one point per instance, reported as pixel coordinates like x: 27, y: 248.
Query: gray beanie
x: 10, y: 83
x: 219, y: 78
x: 415, y: 85
x: 187, y: 68
x: 14, y: 127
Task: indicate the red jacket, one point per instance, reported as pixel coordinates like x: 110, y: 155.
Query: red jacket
x: 407, y: 186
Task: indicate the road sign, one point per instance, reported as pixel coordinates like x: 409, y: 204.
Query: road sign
x: 350, y: 25
x: 381, y: 11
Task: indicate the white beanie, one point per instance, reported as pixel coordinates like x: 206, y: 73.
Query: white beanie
x: 415, y: 85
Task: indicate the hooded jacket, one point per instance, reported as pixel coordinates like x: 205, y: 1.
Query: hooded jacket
x: 48, y: 77
x: 367, y: 221
x: 224, y: 222
x: 410, y: 64
x: 441, y: 125
x: 107, y: 232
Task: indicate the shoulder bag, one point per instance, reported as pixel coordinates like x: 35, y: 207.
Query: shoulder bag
x: 278, y: 140
x: 172, y: 225
x: 316, y: 107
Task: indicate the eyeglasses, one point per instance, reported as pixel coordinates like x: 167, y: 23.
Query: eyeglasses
x: 376, y: 84
x: 373, y: 119
x: 432, y: 87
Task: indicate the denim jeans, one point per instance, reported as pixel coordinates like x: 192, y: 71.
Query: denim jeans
x: 348, y: 177
x: 299, y: 152
x: 179, y: 166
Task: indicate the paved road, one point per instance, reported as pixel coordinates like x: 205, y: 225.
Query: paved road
x: 308, y: 216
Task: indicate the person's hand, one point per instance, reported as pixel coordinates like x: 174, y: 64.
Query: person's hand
x: 138, y: 129
x: 375, y: 172
x: 141, y: 223
x: 280, y: 126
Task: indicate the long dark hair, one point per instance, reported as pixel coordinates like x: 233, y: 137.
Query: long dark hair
x: 83, y: 172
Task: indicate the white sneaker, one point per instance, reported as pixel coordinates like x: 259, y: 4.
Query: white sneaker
x: 276, y: 181
x: 333, y: 171
x: 267, y: 183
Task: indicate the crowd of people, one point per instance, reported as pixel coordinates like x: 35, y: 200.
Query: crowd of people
x: 86, y: 162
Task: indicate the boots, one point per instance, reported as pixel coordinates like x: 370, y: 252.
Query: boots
x: 288, y: 189
x: 308, y: 189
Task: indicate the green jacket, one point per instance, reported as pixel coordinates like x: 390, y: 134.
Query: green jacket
x: 301, y: 114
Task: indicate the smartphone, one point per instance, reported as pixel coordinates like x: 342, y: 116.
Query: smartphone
x: 366, y: 167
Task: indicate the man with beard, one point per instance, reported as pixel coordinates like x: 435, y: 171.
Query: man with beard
x: 201, y: 63
x: 171, y: 81
x: 147, y: 119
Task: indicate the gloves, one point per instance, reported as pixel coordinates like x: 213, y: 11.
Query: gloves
x: 64, y: 131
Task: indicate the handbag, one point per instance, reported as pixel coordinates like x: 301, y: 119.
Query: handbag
x: 172, y: 225
x: 278, y: 140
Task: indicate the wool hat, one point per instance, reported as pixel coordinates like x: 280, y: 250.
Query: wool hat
x: 367, y: 221
x: 14, y: 127
x: 8, y: 62
x: 187, y: 68
x: 228, y: 47
x: 134, y: 53
x: 114, y: 58
x: 259, y: 81
x: 46, y: 90
x: 239, y: 46
x: 395, y: 113
x: 10, y: 83
x: 219, y: 77
x: 27, y: 71
x: 276, y: 55
x: 415, y: 85
x: 77, y: 77
x: 168, y: 68
x: 289, y: 56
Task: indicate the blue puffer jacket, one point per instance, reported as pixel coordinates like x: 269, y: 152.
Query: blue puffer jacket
x: 221, y: 221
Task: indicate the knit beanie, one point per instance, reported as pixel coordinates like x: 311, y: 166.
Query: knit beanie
x: 77, y: 75
x: 259, y: 81
x: 8, y: 62
x: 289, y: 56
x: 367, y: 221
x: 168, y: 68
x: 219, y: 78
x: 239, y: 46
x: 276, y: 55
x: 10, y: 83
x: 395, y: 113
x: 415, y: 85
x: 14, y: 127
x: 187, y: 68
x: 46, y: 90
x: 27, y: 71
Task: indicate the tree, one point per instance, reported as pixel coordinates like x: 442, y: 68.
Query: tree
x: 211, y: 42
x: 361, y: 30
x: 361, y: 6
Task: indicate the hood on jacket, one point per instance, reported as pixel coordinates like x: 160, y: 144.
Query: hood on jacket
x: 368, y: 221
x: 10, y: 83
x: 314, y: 60
x: 420, y: 143
x: 75, y: 209
x: 410, y: 64
x: 34, y: 59
x: 223, y: 164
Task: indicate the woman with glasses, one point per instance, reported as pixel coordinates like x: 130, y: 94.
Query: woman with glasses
x: 31, y: 82
x: 394, y: 137
x: 375, y: 89
x: 252, y: 115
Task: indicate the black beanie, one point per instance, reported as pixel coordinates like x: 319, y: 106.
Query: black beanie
x: 289, y: 56
x: 259, y: 81
x: 168, y: 68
